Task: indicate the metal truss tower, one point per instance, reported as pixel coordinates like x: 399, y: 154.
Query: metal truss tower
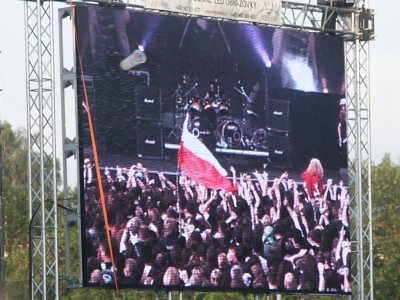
x: 42, y: 158
x: 355, y: 24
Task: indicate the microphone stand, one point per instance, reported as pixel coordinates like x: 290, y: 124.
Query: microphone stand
x: 191, y: 89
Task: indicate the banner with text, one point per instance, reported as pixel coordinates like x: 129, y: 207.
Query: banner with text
x: 259, y: 11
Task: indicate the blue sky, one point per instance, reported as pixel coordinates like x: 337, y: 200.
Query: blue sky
x: 384, y: 70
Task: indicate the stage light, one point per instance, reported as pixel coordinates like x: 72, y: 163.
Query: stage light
x: 136, y: 58
x: 141, y: 48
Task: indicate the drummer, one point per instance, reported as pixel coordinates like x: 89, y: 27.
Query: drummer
x: 200, y: 124
x: 215, y: 94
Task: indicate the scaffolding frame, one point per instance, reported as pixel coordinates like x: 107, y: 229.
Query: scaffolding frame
x: 355, y: 24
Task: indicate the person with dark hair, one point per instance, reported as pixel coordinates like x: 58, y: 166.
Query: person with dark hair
x: 308, y: 269
x: 96, y: 277
x: 93, y: 263
x: 224, y: 267
x: 286, y: 266
x: 211, y: 261
x: 257, y: 270
x: 342, y: 132
x: 103, y: 253
x: 129, y: 273
x: 159, y: 267
x: 325, y: 272
x: 272, y: 278
x: 314, y: 238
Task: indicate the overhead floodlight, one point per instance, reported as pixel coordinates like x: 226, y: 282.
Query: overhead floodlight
x: 137, y: 57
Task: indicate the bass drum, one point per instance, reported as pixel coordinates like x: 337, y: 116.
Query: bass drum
x: 202, y: 130
x: 259, y: 140
x: 230, y: 134
x: 199, y: 127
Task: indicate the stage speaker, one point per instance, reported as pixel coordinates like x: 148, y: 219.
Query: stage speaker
x: 148, y: 104
x: 150, y: 141
x: 278, y: 115
x: 279, y: 150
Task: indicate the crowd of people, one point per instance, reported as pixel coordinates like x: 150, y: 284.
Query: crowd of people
x: 272, y: 234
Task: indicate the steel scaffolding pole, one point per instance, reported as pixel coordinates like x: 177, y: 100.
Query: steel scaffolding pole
x: 360, y: 168
x: 41, y: 155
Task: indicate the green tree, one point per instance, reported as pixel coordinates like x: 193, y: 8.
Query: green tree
x: 15, y: 190
x: 15, y: 210
x: 386, y: 229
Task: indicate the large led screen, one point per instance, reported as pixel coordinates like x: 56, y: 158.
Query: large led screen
x: 213, y: 155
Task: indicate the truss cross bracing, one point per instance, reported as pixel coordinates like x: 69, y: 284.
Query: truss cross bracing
x: 42, y: 160
x: 355, y: 24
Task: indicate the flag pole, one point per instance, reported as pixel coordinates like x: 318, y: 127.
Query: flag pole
x: 178, y: 173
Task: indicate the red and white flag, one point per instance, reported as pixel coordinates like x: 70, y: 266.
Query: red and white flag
x: 198, y: 163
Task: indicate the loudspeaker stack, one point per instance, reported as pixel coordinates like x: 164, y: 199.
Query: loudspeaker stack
x: 279, y: 133
x: 149, y: 130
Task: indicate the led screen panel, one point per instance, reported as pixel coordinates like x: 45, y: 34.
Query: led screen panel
x: 214, y: 152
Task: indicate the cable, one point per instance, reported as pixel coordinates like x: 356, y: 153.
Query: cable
x: 95, y: 154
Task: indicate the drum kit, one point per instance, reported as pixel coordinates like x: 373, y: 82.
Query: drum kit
x: 210, y: 119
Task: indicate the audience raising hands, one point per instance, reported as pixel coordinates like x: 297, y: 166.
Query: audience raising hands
x: 273, y: 233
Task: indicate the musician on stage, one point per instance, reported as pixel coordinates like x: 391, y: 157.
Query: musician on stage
x: 215, y: 94
x: 342, y: 132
